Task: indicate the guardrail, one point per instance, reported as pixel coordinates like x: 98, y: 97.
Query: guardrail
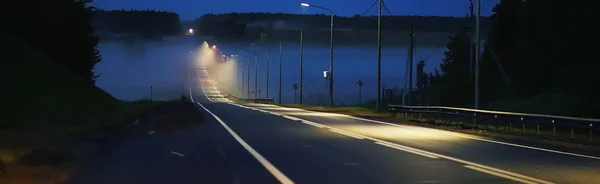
x: 572, y: 123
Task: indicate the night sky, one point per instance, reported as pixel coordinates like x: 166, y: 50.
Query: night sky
x: 190, y: 9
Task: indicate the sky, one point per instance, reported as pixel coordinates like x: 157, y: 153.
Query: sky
x: 191, y: 9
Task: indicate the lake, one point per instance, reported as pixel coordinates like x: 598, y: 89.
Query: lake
x: 129, y: 72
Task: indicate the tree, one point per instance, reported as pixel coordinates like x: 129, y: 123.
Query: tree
x: 501, y: 45
x: 60, y: 28
x: 454, y: 80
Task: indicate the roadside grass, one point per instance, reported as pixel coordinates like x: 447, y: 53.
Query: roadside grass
x: 46, y: 102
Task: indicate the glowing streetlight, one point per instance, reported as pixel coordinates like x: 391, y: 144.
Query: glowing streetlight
x: 214, y: 47
x: 330, y: 51
x: 191, y: 31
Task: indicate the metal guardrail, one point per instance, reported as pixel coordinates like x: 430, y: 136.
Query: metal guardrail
x: 509, y: 117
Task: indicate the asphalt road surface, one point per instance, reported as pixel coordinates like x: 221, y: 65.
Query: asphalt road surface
x: 261, y: 144
x: 291, y: 145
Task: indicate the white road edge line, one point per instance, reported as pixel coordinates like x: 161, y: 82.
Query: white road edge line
x: 265, y: 163
x: 406, y: 148
x: 346, y: 134
x: 312, y: 124
x: 455, y: 134
x: 498, y: 174
x: 270, y: 167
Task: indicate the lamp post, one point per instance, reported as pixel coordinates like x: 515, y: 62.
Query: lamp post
x: 280, y: 62
x: 378, y: 101
x: 330, y: 50
x: 301, y: 65
x: 267, y: 69
x: 255, y: 77
x: 477, y: 53
x: 359, y: 84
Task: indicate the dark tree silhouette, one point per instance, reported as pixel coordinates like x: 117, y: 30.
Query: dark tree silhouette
x: 147, y: 23
x: 60, y: 28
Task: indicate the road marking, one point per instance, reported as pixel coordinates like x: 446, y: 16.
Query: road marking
x: 431, y: 154
x: 406, y: 150
x: 346, y: 133
x: 221, y: 152
x: 455, y: 134
x: 178, y: 154
x: 498, y: 174
x: 270, y: 167
x: 202, y: 87
x: 312, y: 124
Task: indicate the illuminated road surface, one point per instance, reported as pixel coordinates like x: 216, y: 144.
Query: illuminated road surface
x: 310, y: 147
x: 258, y: 143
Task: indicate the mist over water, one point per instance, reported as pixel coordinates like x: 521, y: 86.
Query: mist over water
x: 127, y: 73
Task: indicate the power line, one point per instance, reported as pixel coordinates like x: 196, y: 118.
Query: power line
x: 372, y: 5
x: 386, y: 9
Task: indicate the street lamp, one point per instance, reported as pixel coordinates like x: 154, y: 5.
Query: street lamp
x: 330, y: 50
x: 267, y: 61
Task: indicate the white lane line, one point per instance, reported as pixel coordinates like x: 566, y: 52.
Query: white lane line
x: 406, y: 150
x: 291, y: 117
x: 270, y: 167
x: 347, y: 134
x: 498, y: 174
x: 455, y: 134
x: 312, y: 124
x: 190, y: 83
x: 202, y: 87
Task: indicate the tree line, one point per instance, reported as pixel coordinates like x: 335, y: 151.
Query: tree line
x: 147, y: 23
x: 59, y: 28
x: 530, y: 63
x: 237, y: 24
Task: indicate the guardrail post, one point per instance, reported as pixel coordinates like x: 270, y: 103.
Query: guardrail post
x: 509, y: 125
x: 537, y: 131
x: 522, y: 127
x: 572, y: 133
x: 554, y: 131
x: 590, y: 136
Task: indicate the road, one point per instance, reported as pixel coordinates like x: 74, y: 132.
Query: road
x: 260, y: 143
x: 297, y: 146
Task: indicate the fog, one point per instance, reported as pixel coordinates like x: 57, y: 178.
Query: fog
x: 127, y: 73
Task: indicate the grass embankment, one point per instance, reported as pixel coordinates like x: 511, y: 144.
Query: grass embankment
x: 496, y: 129
x: 45, y: 103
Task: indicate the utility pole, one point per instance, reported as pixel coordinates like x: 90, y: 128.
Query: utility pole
x: 477, y: 52
x: 301, y: 72
x: 267, y: 73
x: 378, y: 102
x: 471, y: 52
x: 255, y: 76
x: 411, y: 50
x: 280, y: 62
x: 331, y: 62
x: 248, y: 78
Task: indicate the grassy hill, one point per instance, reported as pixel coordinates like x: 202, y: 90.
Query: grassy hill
x: 43, y: 101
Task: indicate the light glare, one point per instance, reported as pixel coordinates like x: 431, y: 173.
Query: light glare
x: 305, y: 4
